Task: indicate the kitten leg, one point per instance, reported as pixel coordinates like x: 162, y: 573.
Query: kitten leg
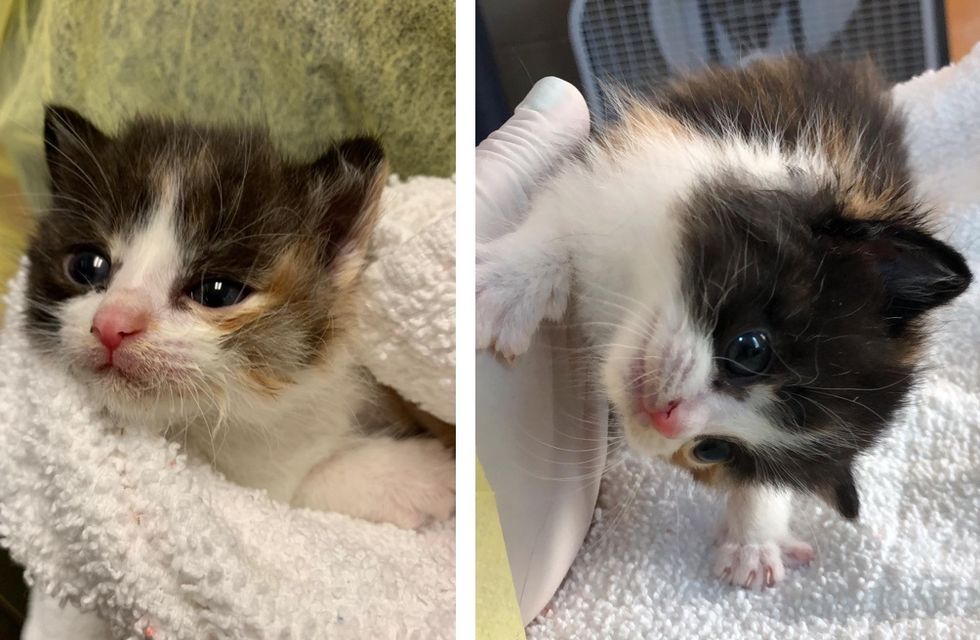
x: 522, y: 278
x: 404, y: 482
x: 755, y: 542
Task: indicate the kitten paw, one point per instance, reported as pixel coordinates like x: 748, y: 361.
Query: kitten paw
x: 759, y: 565
x: 425, y: 490
x: 407, y: 483
x: 517, y: 287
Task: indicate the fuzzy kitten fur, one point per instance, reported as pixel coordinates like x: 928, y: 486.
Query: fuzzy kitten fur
x: 194, y: 279
x: 754, y: 273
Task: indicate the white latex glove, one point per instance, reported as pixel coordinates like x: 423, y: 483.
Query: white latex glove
x: 551, y: 121
x: 541, y: 433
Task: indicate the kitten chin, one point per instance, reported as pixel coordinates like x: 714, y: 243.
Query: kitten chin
x: 196, y: 280
x: 757, y: 276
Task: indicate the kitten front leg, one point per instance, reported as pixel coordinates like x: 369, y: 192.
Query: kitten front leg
x: 755, y: 542
x: 405, y: 482
x: 522, y: 278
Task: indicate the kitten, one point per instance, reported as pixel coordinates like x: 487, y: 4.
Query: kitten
x: 754, y: 273
x: 194, y: 280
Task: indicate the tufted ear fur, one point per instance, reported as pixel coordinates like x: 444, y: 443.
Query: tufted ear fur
x: 840, y: 492
x: 348, y: 180
x: 917, y: 271
x: 69, y: 140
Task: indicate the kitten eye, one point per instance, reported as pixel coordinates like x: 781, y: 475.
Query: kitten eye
x: 712, y: 450
x: 218, y: 292
x: 748, y: 354
x: 88, y: 268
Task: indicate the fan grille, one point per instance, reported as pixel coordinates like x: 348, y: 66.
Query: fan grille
x: 617, y: 40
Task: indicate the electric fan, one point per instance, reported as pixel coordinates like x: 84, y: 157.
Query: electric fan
x: 642, y: 43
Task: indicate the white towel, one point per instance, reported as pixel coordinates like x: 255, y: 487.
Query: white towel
x: 162, y: 547
x: 409, y: 330
x: 910, y: 568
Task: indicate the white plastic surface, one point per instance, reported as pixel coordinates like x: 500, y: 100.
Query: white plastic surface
x: 541, y: 429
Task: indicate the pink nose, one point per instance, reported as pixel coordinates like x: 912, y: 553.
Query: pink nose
x: 114, y: 323
x: 667, y: 421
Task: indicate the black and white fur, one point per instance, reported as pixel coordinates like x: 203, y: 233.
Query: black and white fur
x: 266, y: 385
x: 773, y: 198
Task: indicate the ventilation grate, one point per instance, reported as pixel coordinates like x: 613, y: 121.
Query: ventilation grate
x: 642, y: 43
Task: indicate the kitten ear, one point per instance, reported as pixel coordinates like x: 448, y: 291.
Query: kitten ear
x: 67, y: 136
x: 841, y: 492
x: 918, y: 271
x: 349, y: 179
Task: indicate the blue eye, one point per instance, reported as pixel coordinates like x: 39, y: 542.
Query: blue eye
x: 748, y: 354
x: 218, y: 292
x: 88, y: 268
x: 712, y: 450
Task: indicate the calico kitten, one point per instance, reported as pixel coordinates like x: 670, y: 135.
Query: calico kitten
x: 193, y: 279
x: 754, y: 271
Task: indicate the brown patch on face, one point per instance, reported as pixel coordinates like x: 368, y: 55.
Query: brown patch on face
x: 641, y: 121
x: 876, y: 192
x: 867, y: 201
x: 228, y: 320
x: 291, y: 277
x: 708, y: 474
x: 313, y: 283
x: 294, y: 296
x: 266, y: 383
x: 292, y: 270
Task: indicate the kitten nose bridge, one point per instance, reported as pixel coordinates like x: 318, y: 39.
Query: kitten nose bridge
x: 120, y: 318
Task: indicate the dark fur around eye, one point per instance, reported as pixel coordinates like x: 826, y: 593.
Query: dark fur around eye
x: 89, y: 268
x: 748, y: 355
x: 713, y: 451
x: 841, y: 272
x: 218, y: 292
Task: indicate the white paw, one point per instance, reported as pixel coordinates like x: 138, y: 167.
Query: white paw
x: 425, y: 489
x: 405, y: 482
x: 517, y: 286
x: 759, y: 565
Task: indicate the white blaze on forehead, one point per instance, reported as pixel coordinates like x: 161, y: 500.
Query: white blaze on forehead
x: 150, y: 257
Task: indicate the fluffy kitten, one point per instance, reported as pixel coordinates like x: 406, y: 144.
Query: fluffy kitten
x: 754, y: 271
x: 195, y: 280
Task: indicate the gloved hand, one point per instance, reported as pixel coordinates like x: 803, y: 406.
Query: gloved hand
x: 541, y: 432
x: 552, y: 120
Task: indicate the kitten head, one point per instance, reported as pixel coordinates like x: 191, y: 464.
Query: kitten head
x: 185, y: 270
x: 770, y: 320
x: 792, y: 341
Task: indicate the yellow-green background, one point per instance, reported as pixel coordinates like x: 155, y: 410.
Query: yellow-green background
x: 14, y: 225
x: 497, y: 614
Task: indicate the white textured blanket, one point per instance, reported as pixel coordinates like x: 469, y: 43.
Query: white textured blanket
x: 910, y: 568
x: 162, y: 547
